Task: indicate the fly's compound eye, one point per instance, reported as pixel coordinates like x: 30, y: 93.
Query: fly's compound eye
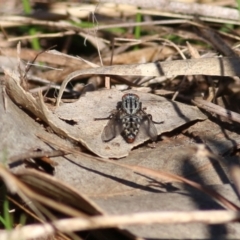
x: 130, y: 96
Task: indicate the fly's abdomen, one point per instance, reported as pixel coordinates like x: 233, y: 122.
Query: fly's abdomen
x: 131, y: 125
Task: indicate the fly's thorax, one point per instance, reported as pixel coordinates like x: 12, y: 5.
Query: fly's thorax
x: 131, y: 104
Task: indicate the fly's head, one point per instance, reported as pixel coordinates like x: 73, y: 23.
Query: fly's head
x: 131, y: 104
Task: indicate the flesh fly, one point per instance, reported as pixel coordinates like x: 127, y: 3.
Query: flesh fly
x: 127, y: 119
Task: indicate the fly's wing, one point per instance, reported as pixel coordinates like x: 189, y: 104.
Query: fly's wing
x: 150, y: 127
x: 112, y: 129
x: 152, y: 131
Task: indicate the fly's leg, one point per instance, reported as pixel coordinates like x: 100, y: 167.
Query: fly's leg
x: 114, y: 115
x: 119, y: 106
x: 106, y: 118
x: 150, y: 118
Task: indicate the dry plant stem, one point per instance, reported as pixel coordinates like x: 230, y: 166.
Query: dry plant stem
x: 208, y: 66
x: 30, y: 213
x: 47, y: 57
x: 175, y: 46
x: 194, y: 9
x: 177, y: 92
x: 18, y: 21
x: 54, y: 153
x: 183, y: 57
x: 108, y: 79
x: 213, y: 108
x: 42, y: 35
x: 79, y: 224
x: 215, y: 39
x: 189, y: 17
x: 134, y: 24
x: 46, y: 88
x: 209, y: 217
x: 213, y: 14
x: 107, y: 82
x: 193, y: 51
x: 25, y: 209
x: 67, y: 149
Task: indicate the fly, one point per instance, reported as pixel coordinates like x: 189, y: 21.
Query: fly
x: 127, y: 119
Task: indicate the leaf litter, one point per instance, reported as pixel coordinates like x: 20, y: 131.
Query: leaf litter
x: 76, y: 120
x: 200, y: 154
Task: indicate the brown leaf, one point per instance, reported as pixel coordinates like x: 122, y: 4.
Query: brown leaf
x: 76, y: 120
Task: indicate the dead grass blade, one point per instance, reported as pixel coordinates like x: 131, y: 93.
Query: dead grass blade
x: 26, y: 192
x: 209, y: 217
x: 185, y: 10
x: 46, y: 193
x: 80, y: 224
x: 54, y: 189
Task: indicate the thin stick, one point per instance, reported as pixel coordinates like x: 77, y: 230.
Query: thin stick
x: 99, y: 222
x: 213, y: 108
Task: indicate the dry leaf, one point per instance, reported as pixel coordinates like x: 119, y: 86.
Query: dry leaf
x: 76, y: 120
x: 99, y: 104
